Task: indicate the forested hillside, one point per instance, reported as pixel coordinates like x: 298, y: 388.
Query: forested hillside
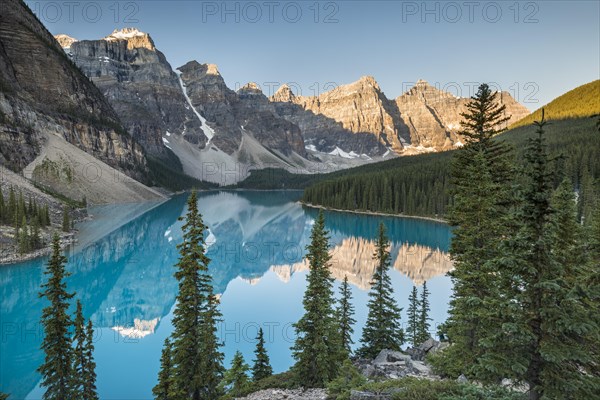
x: 583, y: 101
x: 418, y: 185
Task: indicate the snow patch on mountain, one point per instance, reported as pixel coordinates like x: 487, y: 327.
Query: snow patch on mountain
x: 341, y: 153
x: 208, y: 131
x: 124, y: 34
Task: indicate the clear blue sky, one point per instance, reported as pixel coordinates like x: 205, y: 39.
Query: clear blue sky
x: 537, y: 50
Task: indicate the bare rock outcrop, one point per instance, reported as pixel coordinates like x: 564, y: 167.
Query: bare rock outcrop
x: 232, y: 114
x: 430, y: 117
x: 287, y: 394
x: 359, y: 118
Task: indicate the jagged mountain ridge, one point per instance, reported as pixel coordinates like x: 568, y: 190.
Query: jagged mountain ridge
x: 231, y: 114
x: 139, y: 83
x: 422, y: 119
x: 235, y: 132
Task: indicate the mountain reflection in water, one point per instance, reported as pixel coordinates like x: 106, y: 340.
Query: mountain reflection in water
x: 123, y: 274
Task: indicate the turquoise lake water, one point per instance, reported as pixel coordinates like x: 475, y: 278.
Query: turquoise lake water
x: 123, y: 275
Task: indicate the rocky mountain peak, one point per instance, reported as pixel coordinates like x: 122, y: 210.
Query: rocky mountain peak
x: 250, y: 89
x: 134, y: 37
x: 284, y: 94
x: 369, y: 81
x: 212, y: 69
x: 65, y: 41
x: 199, y: 71
x: 427, y: 93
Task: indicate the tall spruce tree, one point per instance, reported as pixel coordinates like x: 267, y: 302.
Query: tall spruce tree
x: 481, y: 174
x: 46, y: 215
x: 66, y: 222
x: 211, y: 358
x: 56, y: 369
x: 235, y: 381
x: 197, y: 362
x: 23, y: 234
x: 21, y: 208
x: 35, y: 241
x: 345, y: 316
x: 262, y: 365
x: 3, y: 396
x: 412, y: 330
x: 548, y: 332
x: 591, y: 281
x: 317, y: 349
x: 190, y: 302
x: 79, y: 359
x: 423, y: 330
x: 11, y: 206
x: 164, y: 387
x: 89, y: 373
x: 382, y: 329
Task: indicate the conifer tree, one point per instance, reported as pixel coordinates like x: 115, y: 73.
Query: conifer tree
x: 345, y: 316
x: 12, y: 206
x: 35, y: 240
x: 591, y: 281
x: 89, y: 376
x: 46, y: 215
x: 414, y: 307
x: 211, y: 358
x: 593, y: 234
x: 23, y: 237
x: 21, y: 208
x: 186, y: 342
x: 18, y: 214
x: 3, y: 396
x: 382, y: 329
x: 235, y: 380
x: 35, y: 209
x: 29, y: 206
x: 317, y: 349
x: 262, y: 366
x: 546, y: 336
x: 164, y: 387
x: 482, y: 175
x: 57, y: 368
x: 423, y: 331
x: 197, y: 362
x: 79, y: 359
x: 66, y: 223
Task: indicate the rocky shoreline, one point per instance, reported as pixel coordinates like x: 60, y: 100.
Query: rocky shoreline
x: 388, y: 365
x: 9, y: 254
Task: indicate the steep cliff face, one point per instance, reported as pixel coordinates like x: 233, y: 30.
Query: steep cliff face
x: 139, y: 83
x: 430, y: 118
x: 42, y: 93
x: 359, y: 118
x: 258, y: 116
x: 353, y: 118
x: 233, y: 114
